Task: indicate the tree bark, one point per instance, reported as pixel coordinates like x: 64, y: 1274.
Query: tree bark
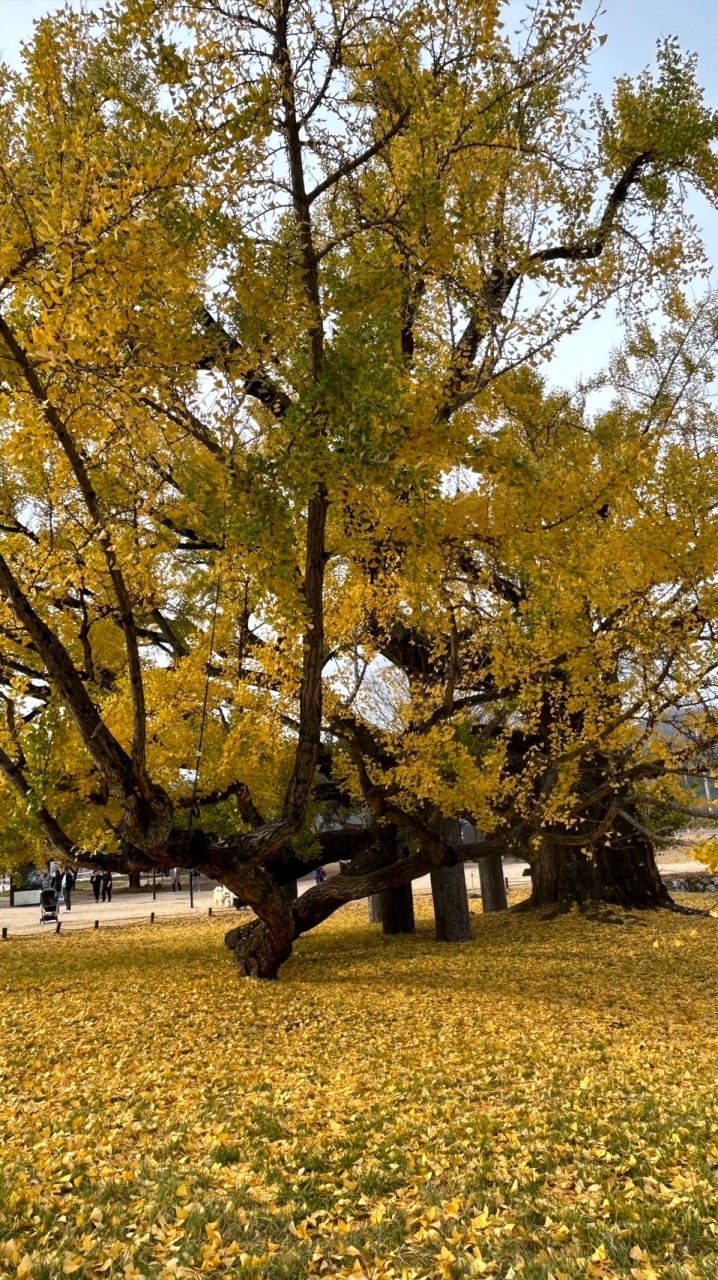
x: 259, y: 950
x: 261, y: 947
x: 133, y: 881
x: 396, y: 904
x: 396, y: 909
x: 620, y: 869
x: 452, y: 918
x: 451, y: 904
x: 560, y: 874
x: 374, y: 901
x: 493, y: 885
x: 625, y: 869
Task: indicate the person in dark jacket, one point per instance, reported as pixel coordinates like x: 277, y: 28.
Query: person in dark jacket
x: 57, y: 881
x: 68, y: 884
x: 96, y: 882
x: 107, y: 886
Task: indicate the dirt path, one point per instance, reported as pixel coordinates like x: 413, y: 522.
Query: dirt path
x: 134, y: 908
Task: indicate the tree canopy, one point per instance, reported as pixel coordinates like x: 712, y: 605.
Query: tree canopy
x: 280, y: 476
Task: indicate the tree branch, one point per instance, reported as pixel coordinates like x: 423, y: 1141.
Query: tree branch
x: 60, y: 430
x: 460, y: 388
x: 110, y: 758
x: 256, y: 381
x: 350, y: 166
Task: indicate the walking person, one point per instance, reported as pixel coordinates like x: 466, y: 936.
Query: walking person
x: 96, y: 882
x: 57, y: 879
x: 68, y: 884
x: 176, y: 883
x: 107, y: 886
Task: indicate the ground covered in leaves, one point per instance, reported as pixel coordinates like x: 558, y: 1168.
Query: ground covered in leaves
x: 539, y: 1103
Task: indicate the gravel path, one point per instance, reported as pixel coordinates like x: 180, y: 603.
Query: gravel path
x: 134, y: 908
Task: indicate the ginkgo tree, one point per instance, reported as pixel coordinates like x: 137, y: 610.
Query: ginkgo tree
x: 555, y: 627
x: 267, y: 269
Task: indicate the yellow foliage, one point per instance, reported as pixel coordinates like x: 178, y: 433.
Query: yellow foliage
x: 539, y: 1103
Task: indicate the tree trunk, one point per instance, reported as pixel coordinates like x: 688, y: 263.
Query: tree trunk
x: 290, y: 890
x: 259, y: 952
x: 133, y: 879
x: 452, y: 918
x: 261, y: 947
x: 451, y: 904
x: 626, y: 870
x: 396, y: 909
x: 493, y: 886
x: 621, y: 870
x: 374, y: 902
x: 396, y: 905
x: 560, y: 874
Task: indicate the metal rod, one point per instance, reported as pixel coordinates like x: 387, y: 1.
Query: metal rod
x: 154, y: 885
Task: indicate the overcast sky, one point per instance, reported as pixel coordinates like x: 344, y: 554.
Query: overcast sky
x: 633, y: 27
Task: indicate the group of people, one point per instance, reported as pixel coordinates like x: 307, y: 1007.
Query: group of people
x: 63, y: 882
x: 101, y: 882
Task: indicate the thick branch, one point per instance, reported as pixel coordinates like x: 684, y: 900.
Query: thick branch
x: 110, y: 758
x: 322, y: 901
x: 59, y: 428
x: 256, y: 381
x: 461, y: 387
x: 176, y: 643
x: 49, y: 825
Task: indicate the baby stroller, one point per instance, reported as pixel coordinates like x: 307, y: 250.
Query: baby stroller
x: 49, y: 905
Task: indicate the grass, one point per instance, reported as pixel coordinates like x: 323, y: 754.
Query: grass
x: 540, y: 1103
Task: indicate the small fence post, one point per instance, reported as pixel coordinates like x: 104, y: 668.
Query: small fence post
x: 152, y: 917
x: 4, y: 933
x: 97, y: 924
x: 58, y: 926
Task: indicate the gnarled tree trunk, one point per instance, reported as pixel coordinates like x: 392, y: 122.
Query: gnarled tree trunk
x: 261, y: 947
x: 560, y: 873
x: 626, y: 871
x: 619, y: 869
x: 259, y: 951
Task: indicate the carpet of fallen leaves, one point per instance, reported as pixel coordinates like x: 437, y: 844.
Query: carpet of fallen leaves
x: 540, y: 1103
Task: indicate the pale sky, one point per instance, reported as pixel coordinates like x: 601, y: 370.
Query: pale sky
x: 633, y: 27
